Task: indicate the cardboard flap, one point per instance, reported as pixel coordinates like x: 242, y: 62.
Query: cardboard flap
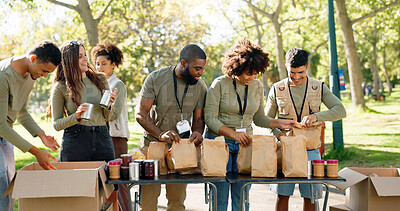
x: 9, y: 188
x: 386, y: 186
x: 42, y: 183
x: 352, y: 177
x: 108, y: 188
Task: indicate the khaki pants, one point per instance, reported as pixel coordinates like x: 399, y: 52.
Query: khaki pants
x: 176, y: 195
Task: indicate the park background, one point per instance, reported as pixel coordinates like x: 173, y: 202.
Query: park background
x: 152, y: 32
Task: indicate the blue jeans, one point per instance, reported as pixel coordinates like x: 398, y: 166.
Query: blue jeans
x: 7, y: 170
x: 223, y: 187
x: 287, y: 189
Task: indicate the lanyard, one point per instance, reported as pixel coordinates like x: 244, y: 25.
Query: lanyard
x: 241, y: 110
x: 176, y: 95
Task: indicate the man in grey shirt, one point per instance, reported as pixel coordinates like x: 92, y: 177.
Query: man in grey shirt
x: 170, y: 98
x: 17, y: 76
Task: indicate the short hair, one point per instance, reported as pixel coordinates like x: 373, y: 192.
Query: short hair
x: 192, y: 52
x: 244, y: 56
x: 47, y: 51
x: 296, y: 57
x: 111, y: 51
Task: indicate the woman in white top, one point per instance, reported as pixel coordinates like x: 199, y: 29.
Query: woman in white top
x: 106, y: 57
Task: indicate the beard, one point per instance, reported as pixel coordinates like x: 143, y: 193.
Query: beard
x: 188, y: 77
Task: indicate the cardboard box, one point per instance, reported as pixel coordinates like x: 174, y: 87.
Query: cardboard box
x: 73, y: 186
x: 371, y: 189
x: 339, y: 207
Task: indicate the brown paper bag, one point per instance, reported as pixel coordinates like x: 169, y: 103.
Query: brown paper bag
x: 196, y: 170
x: 170, y: 163
x: 279, y: 155
x: 294, y: 156
x: 264, y: 161
x: 184, y: 155
x: 214, y: 157
x: 243, y: 160
x: 158, y: 151
x: 313, y: 134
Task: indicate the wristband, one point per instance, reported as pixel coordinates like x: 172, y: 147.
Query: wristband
x: 159, y: 136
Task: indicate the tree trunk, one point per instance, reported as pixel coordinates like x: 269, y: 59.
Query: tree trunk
x: 354, y: 65
x: 386, y: 73
x: 280, y: 58
x: 374, y: 66
x: 91, y: 24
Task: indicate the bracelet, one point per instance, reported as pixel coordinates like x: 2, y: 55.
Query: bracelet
x: 159, y: 136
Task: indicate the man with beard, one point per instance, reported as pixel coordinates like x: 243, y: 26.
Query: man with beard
x: 169, y: 100
x: 17, y: 76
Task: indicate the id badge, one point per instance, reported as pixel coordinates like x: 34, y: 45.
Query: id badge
x: 241, y: 130
x: 183, y: 126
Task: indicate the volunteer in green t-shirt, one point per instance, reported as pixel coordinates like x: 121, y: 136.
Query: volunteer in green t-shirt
x: 17, y: 76
x: 76, y: 84
x: 170, y: 107
x: 299, y: 97
x: 234, y: 101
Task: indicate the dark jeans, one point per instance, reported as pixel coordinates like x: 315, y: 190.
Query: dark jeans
x: 86, y: 143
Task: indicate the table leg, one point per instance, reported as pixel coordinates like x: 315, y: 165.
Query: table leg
x: 207, y: 196
x: 243, y: 192
x: 130, y: 198
x: 214, y: 195
x: 314, y: 197
x: 326, y: 197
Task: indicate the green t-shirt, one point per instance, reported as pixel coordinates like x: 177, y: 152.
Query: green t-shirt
x: 336, y: 109
x: 61, y: 101
x: 159, y: 86
x: 222, y: 106
x: 14, y: 94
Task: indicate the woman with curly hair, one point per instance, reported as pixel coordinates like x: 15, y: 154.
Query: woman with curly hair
x: 76, y: 84
x: 106, y: 57
x: 233, y: 102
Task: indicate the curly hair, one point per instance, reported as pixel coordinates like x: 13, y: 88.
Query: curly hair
x: 111, y: 51
x: 69, y: 72
x: 244, y: 56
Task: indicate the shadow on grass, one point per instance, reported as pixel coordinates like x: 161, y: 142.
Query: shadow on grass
x: 357, y: 157
x: 382, y: 134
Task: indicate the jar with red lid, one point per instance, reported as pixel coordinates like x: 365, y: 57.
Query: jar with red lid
x: 114, y: 168
x: 332, y: 168
x: 319, y: 167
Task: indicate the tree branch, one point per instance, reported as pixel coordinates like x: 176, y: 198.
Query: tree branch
x: 297, y: 19
x: 258, y: 9
x: 69, y: 6
x: 104, y: 11
x: 374, y: 12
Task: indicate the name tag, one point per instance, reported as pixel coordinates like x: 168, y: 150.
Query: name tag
x: 241, y: 130
x: 183, y: 126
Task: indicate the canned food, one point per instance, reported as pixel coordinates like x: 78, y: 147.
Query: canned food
x: 141, y: 168
x: 88, y: 113
x: 124, y: 172
x: 149, y: 169
x: 105, y: 99
x: 134, y: 171
x: 156, y: 170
